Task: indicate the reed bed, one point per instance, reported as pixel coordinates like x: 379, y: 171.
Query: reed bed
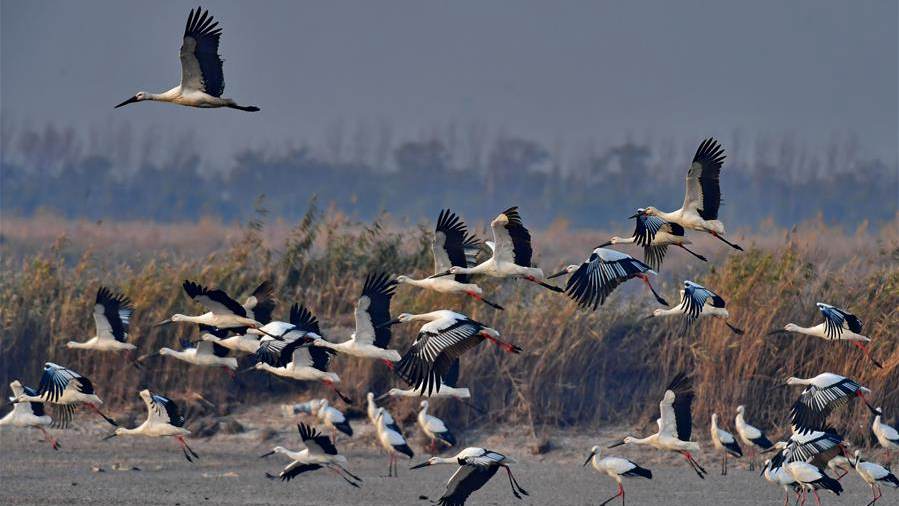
x: 579, y: 369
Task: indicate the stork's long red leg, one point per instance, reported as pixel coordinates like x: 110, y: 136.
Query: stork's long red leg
x: 502, y: 344
x: 50, y: 438
x: 865, y: 351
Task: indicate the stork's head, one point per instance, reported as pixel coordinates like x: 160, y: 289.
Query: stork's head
x: 657, y: 312
x: 791, y: 327
x: 145, y: 393
x: 714, y: 418
x: 277, y: 449
x: 593, y: 453
x: 139, y: 96
x: 402, y: 279
x: 454, y: 269
x: 16, y: 384
x: 166, y: 351
x: 649, y: 211
x: 640, y: 212
x: 740, y: 409
x: 424, y: 404
x: 404, y: 317
x: 794, y: 381
x: 567, y: 270
x: 370, y: 396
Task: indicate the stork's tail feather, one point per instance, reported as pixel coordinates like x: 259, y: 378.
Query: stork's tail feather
x: 831, y: 484
x: 639, y: 471
x: 405, y: 450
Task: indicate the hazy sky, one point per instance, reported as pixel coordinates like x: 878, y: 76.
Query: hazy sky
x: 550, y: 70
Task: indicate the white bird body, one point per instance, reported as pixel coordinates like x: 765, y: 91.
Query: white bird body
x: 372, y: 411
x: 23, y: 413
x: 319, y: 452
x: 434, y: 428
x: 476, y: 467
x: 821, y: 331
x: 837, y: 325
x: 886, y: 435
x: 725, y: 442
x: 392, y: 441
x: 219, y: 320
x: 689, y: 220
x: 158, y: 423
x: 707, y: 310
x: 245, y: 343
x: 874, y: 475
x: 778, y: 476
x: 331, y: 417
x: 750, y: 436
x: 614, y: 467
x: 810, y: 478
x: 112, y: 314
x: 300, y: 368
x: 100, y: 344
x: 202, y: 355
x: 361, y: 350
x: 445, y: 392
x: 444, y: 284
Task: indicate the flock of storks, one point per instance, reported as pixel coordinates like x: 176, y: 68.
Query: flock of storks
x: 298, y: 349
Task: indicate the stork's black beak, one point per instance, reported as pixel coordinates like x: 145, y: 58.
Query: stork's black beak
x: 605, y: 244
x: 381, y: 397
x: 163, y: 322
x: 267, y: 454
x: 419, y: 466
x: 109, y: 436
x: 588, y: 459
x: 619, y: 443
x: 444, y: 273
x: 556, y: 275
x: 776, y: 332
x: 634, y: 216
x: 129, y: 101
x: 388, y: 323
x: 764, y: 468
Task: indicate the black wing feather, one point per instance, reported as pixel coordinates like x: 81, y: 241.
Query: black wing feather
x: 206, y: 34
x: 521, y: 238
x: 468, y: 479
x: 117, y: 309
x: 171, y: 409
x: 457, y: 240
x: 379, y: 289
x: 682, y: 387
x: 710, y: 155
x: 304, y: 320
x: 194, y: 290
x: 309, y: 433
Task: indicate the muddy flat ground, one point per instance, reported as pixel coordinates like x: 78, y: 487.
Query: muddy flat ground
x: 230, y: 472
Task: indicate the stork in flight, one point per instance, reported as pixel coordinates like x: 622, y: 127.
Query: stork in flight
x: 823, y: 393
x: 838, y: 325
x: 703, y: 195
x: 698, y: 301
x: 476, y: 467
x: 512, y: 252
x: 164, y: 419
x: 320, y: 453
x: 675, y: 423
x: 452, y: 246
x: 64, y: 388
x: 594, y: 280
x: 112, y: 314
x: 202, y: 77
x: 28, y: 414
x: 224, y: 312
x: 655, y: 235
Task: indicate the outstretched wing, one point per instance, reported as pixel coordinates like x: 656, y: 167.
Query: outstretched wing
x: 55, y: 379
x: 464, y: 481
x: 164, y: 410
x: 647, y: 226
x: 216, y: 301
x: 432, y: 354
x: 600, y: 275
x: 373, y: 311
x: 201, y: 65
x: 695, y: 297
x: 675, y: 416
x: 261, y: 303
x: 835, y: 319
x: 453, y: 245
x: 304, y: 320
x: 315, y: 441
x: 295, y: 469
x: 112, y: 313
x: 703, y: 185
x: 809, y: 413
x: 512, y: 241
x: 312, y: 356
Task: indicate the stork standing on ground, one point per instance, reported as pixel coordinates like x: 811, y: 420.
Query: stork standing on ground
x: 65, y: 389
x: 372, y: 337
x: 675, y: 423
x: 392, y: 441
x: 442, y: 340
x: 224, y: 312
x: 320, y: 453
x: 372, y: 413
x: 824, y: 393
x: 886, y: 436
x: 751, y: 437
x: 112, y: 314
x: 616, y: 468
x: 512, y: 253
x: 725, y: 442
x: 595, y: 279
x: 655, y: 235
x: 698, y: 301
x: 838, y: 325
x: 332, y: 418
x: 452, y: 246
x: 434, y: 428
x: 874, y: 475
x: 476, y: 467
x: 202, y: 77
x: 164, y: 419
x: 810, y: 478
x: 703, y: 195
x: 28, y: 414
x: 779, y: 477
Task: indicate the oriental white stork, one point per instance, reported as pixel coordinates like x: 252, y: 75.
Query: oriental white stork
x: 304, y: 363
x: 28, y: 414
x: 886, y: 435
x: 595, y: 279
x: 703, y: 195
x: 320, y: 453
x: 697, y: 301
x: 434, y: 428
x: 372, y: 412
x: 675, y: 423
x: 280, y: 338
x: 655, y: 235
x: 202, y: 77
x: 810, y: 478
x: 779, y: 477
x: 476, y: 467
x: 224, y: 312
x: 838, y: 325
x: 65, y: 389
x: 205, y: 353
x: 372, y: 337
x: 331, y: 417
x: 817, y: 447
x: 112, y: 314
x: 449, y: 388
x: 823, y: 394
x: 452, y: 246
x: 244, y: 343
x: 725, y: 442
x: 874, y: 475
x: 840, y: 465
x: 616, y: 468
x: 259, y: 306
x: 445, y: 337
x: 751, y: 436
x: 164, y: 419
x: 392, y: 441
x: 512, y: 253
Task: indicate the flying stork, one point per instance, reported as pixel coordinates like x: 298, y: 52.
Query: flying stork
x: 259, y: 306
x: 280, y: 338
x: 703, y: 195
x: 595, y: 279
x: 449, y: 388
x: 616, y: 468
x: 205, y: 353
x: 675, y: 423
x: 697, y: 301
x: 724, y: 441
x: 371, y: 338
x: 512, y: 253
x: 112, y: 314
x: 28, y: 414
x: 392, y: 441
x: 886, y: 435
x: 224, y: 312
x: 655, y: 235
x: 476, y: 467
x: 434, y: 428
x: 442, y: 340
x: 751, y: 436
x: 65, y: 389
x: 452, y: 246
x: 164, y: 419
x: 202, y: 77
x: 320, y: 453
x: 838, y: 325
x: 823, y: 394
x: 874, y: 475
x: 305, y: 363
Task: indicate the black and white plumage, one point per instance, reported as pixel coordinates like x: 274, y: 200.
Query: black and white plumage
x: 64, y: 388
x: 816, y: 447
x: 392, y: 441
x: 874, y: 475
x: 698, y: 301
x: 838, y: 325
x: 811, y: 478
x: 112, y: 316
x: 617, y: 468
x: 202, y: 76
x: 476, y: 467
x: 28, y: 414
x: 887, y: 435
x: 725, y: 442
x: 442, y: 340
x: 204, y: 353
x: 824, y: 393
x: 434, y: 428
x: 280, y: 339
x: 164, y: 419
x: 594, y: 280
x: 655, y: 235
x: 751, y: 436
x: 320, y: 453
x: 224, y: 312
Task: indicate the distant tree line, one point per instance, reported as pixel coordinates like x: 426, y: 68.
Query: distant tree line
x: 77, y: 177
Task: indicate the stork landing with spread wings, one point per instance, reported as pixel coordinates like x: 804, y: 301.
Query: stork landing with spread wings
x: 164, y: 419
x: 320, y: 453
